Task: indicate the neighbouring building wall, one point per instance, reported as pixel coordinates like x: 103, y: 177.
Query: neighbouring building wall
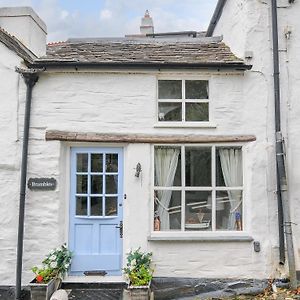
x: 246, y: 26
x: 289, y: 44
x: 126, y: 103
x: 10, y: 162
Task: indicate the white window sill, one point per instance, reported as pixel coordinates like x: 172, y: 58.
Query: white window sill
x: 201, y: 237
x: 185, y: 125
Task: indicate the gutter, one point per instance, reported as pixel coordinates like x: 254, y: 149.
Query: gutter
x: 30, y: 77
x: 282, y: 186
x: 137, y: 65
x: 215, y: 18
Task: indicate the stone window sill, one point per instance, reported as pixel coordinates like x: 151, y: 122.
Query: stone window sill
x: 211, y: 237
x: 185, y: 125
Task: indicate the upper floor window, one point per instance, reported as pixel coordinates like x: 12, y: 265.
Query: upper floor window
x: 183, y: 101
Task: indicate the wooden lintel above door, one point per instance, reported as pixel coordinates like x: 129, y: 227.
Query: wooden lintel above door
x: 56, y: 135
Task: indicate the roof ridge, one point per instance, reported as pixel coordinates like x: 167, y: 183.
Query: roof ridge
x: 146, y: 40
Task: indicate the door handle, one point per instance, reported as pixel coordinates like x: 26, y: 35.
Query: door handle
x: 121, y: 229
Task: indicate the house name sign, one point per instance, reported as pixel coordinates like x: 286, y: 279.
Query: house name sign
x: 42, y: 184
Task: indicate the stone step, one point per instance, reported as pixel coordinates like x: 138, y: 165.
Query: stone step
x: 95, y: 291
x: 95, y: 294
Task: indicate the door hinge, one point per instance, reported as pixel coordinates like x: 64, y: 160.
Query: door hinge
x: 121, y: 229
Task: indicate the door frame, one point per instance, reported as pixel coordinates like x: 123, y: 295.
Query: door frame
x: 73, y: 149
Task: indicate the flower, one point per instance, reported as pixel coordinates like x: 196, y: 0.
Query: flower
x: 133, y: 263
x: 138, y: 268
x: 55, y: 265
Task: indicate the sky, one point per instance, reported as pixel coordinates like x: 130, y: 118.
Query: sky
x: 115, y: 18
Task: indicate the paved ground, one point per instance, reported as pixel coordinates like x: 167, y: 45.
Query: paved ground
x: 280, y: 294
x: 95, y: 294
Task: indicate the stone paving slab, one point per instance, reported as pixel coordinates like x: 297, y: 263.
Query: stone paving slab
x: 91, y: 294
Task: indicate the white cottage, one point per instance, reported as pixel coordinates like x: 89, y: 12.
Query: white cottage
x: 164, y: 143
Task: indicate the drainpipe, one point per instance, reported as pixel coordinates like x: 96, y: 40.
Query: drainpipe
x: 280, y: 222
x: 30, y: 77
x: 280, y: 163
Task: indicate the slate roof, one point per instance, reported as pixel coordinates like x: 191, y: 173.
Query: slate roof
x: 141, y: 52
x: 15, y: 45
x: 147, y: 51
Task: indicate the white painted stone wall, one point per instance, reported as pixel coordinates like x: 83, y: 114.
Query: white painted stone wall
x: 9, y: 163
x: 126, y: 102
x: 246, y: 26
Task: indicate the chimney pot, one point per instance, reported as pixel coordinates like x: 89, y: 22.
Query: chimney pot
x: 147, y: 24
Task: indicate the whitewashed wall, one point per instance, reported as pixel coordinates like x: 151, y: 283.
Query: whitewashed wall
x: 9, y: 163
x: 109, y: 103
x: 246, y: 26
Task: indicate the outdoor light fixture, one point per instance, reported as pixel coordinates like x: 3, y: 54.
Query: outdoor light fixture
x: 138, y: 170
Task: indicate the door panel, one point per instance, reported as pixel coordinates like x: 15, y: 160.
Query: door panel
x: 96, y: 210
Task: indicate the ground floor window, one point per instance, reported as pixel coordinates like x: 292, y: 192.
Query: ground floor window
x: 198, y: 188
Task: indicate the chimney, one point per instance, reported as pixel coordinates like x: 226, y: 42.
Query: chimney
x: 147, y: 24
x: 26, y: 26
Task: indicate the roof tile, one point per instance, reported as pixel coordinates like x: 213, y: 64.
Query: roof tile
x: 145, y: 51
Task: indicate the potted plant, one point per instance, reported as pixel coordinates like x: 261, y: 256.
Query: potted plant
x: 48, y: 277
x: 139, y: 272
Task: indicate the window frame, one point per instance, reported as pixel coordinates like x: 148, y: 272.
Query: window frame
x: 214, y: 189
x: 183, y: 101
x: 89, y: 173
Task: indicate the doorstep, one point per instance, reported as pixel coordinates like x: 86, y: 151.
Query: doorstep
x: 94, y: 279
x: 94, y: 287
x: 94, y: 282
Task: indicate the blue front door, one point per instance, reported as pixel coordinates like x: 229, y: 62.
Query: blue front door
x: 96, y: 210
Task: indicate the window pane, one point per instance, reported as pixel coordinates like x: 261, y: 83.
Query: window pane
x: 198, y: 166
x: 198, y: 210
x: 167, y: 208
x: 111, y: 164
x: 229, y: 167
x: 96, y: 184
x: 111, y: 206
x: 81, y: 186
x: 196, y: 112
x: 82, y: 162
x: 170, y: 111
x: 167, y: 166
x: 96, y: 206
x: 97, y: 163
x: 229, y: 206
x: 169, y: 89
x: 111, y: 184
x: 196, y: 89
x: 81, y: 206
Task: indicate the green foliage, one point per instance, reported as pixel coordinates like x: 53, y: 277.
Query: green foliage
x: 138, y: 267
x: 44, y: 275
x: 55, y: 265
